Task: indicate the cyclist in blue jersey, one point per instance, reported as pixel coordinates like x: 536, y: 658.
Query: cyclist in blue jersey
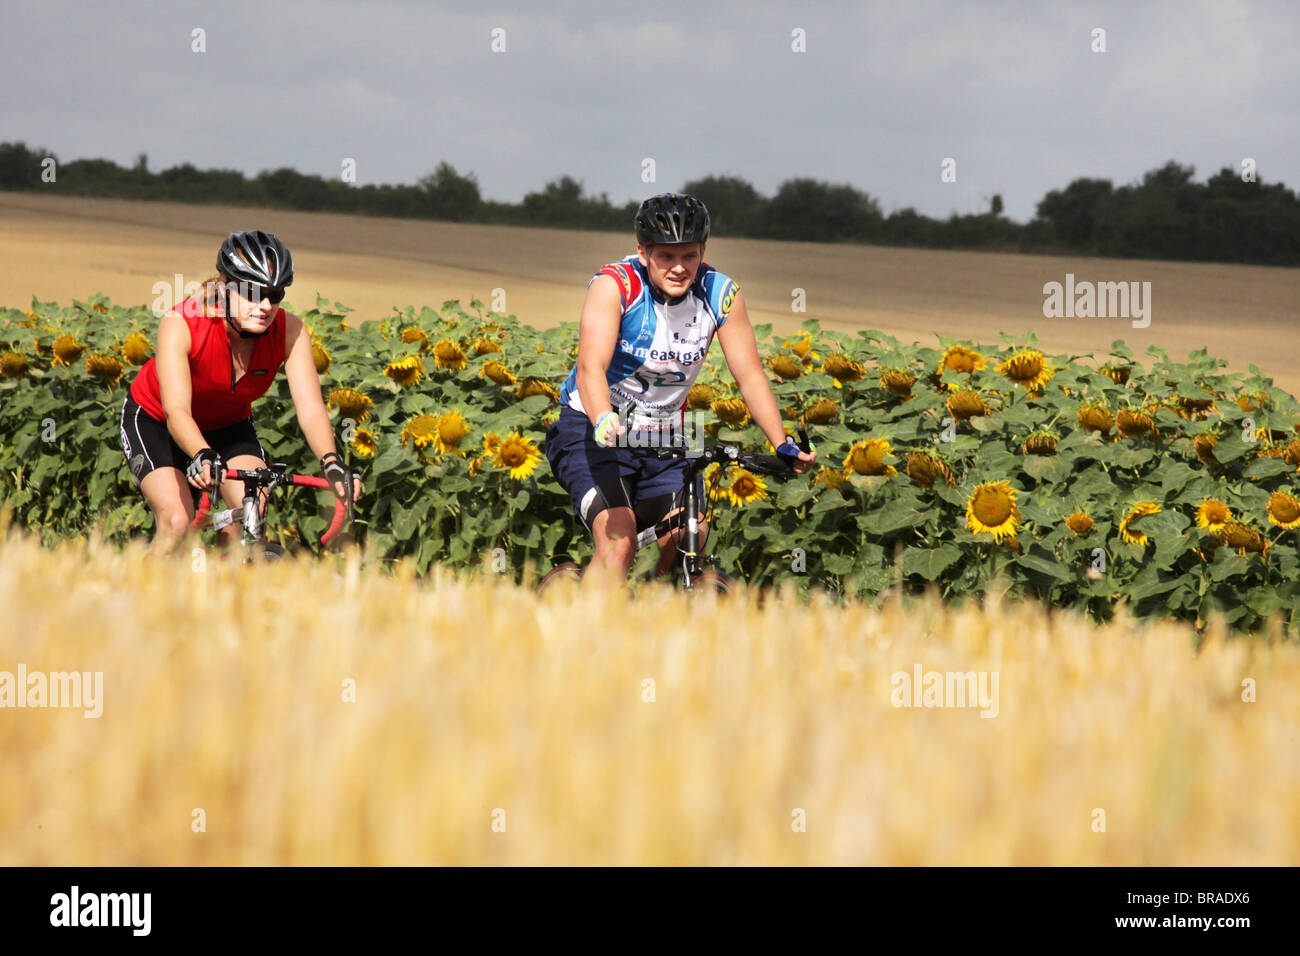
x: 645, y: 330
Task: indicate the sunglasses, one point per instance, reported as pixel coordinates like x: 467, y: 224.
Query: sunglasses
x: 256, y: 293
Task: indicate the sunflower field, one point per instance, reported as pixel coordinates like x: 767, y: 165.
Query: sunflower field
x: 1082, y: 480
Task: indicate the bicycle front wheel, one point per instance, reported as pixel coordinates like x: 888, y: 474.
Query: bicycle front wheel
x: 560, y: 577
x: 712, y: 582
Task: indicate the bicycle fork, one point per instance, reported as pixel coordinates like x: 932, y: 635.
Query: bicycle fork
x: 691, y: 566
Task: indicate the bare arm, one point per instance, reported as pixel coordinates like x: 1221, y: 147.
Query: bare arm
x: 304, y: 386
x: 597, y: 336
x: 741, y: 352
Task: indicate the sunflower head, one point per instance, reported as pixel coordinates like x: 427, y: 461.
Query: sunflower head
x: 842, y: 368
x: 351, y: 404
x: 1027, y: 368
x: 1079, y: 523
x: 1096, y: 418
x: 491, y: 442
x: 898, y: 381
x: 1127, y: 531
x: 1134, y: 423
x: 733, y: 411
x: 1196, y: 407
x: 991, y: 509
x: 1252, y: 402
x: 1039, y: 443
x: 497, y: 372
x: 136, y: 349
x: 484, y: 346
x: 405, y: 371
x: 447, y: 354
x: 1292, y: 453
x: 831, y: 477
x: 1284, y: 510
x: 67, y: 350
x: 1116, y: 373
x: 1203, y: 445
x: 421, y: 431
x: 105, y: 367
x: 517, y: 454
x: 802, y: 345
x: 535, y: 386
x: 957, y: 358
x: 825, y: 410
x: 965, y: 404
x: 701, y: 396
x: 450, y: 430
x: 412, y: 335
x: 321, y: 358
x: 1239, y: 535
x: 13, y: 365
x: 744, y: 487
x: 925, y: 468
x: 364, y: 443
x: 784, y: 366
x: 1212, y: 514
x: 867, y: 457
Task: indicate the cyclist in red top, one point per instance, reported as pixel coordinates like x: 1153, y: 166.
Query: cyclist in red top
x: 188, y: 414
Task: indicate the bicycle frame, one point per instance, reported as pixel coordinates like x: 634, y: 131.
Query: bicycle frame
x: 254, y: 480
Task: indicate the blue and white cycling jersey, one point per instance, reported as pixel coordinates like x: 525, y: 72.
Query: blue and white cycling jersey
x: 660, y: 346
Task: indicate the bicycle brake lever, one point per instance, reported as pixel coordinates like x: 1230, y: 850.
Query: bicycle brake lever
x: 804, y: 444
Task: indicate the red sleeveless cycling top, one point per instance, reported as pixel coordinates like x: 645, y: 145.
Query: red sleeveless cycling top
x: 216, y: 400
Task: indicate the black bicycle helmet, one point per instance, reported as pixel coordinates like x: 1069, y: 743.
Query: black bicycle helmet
x: 265, y: 261
x: 672, y: 218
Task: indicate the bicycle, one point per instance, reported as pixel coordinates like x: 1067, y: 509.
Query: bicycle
x: 253, y: 533
x: 692, y: 574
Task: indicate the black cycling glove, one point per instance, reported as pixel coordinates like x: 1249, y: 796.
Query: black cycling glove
x: 207, y: 457
x: 335, y: 470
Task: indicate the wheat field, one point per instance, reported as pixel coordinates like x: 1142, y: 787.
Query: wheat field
x: 328, y: 713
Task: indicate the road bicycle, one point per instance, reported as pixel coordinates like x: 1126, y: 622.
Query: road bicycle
x: 691, y: 574
x: 253, y: 535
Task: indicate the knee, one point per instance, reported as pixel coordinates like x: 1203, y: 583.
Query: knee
x: 619, y: 550
x: 173, y: 524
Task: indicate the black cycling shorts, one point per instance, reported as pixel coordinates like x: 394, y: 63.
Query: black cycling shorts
x: 148, y: 444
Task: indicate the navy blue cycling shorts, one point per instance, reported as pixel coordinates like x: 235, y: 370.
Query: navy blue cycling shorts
x: 625, y: 477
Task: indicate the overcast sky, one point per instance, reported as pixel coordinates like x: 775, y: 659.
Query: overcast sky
x: 883, y: 93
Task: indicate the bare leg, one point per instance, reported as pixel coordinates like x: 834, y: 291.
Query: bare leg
x: 614, y: 531
x: 168, y: 495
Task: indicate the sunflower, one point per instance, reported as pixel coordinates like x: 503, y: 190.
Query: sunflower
x: 451, y: 429
x: 1095, y: 418
x: 992, y: 510
x: 802, y: 346
x: 965, y: 404
x: 491, y: 442
x: 351, y: 404
x: 406, y: 371
x: 484, y: 346
x: 106, y: 367
x: 713, y: 476
x: 1195, y: 408
x: 13, y: 365
x: 1284, y: 510
x: 447, y: 354
x: 1027, y: 368
x: 1079, y: 523
x: 1039, y: 443
x: 1252, y: 403
x: 842, y: 369
x: 1116, y: 373
x: 412, y: 335
x: 518, y: 454
x: 956, y: 358
x: 925, y: 469
x: 321, y: 358
x: 497, y: 372
x: 476, y: 467
x: 364, y: 443
x: 136, y: 349
x: 422, y: 431
x: 899, y: 382
x: 67, y: 350
x: 1212, y: 514
x: 1126, y: 530
x: 745, y: 487
x: 831, y: 477
x: 1132, y: 424
x: 701, y: 396
x: 1292, y: 453
x: 1203, y: 445
x: 1243, y: 537
x: 733, y: 411
x: 535, y: 386
x: 784, y: 366
x: 867, y: 457
x: 825, y: 410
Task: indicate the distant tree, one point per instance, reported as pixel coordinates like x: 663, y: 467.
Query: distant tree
x: 996, y: 208
x: 735, y: 207
x: 1075, y: 211
x: 449, y: 195
x: 815, y: 211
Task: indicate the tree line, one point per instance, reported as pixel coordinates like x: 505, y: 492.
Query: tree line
x: 1166, y: 215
